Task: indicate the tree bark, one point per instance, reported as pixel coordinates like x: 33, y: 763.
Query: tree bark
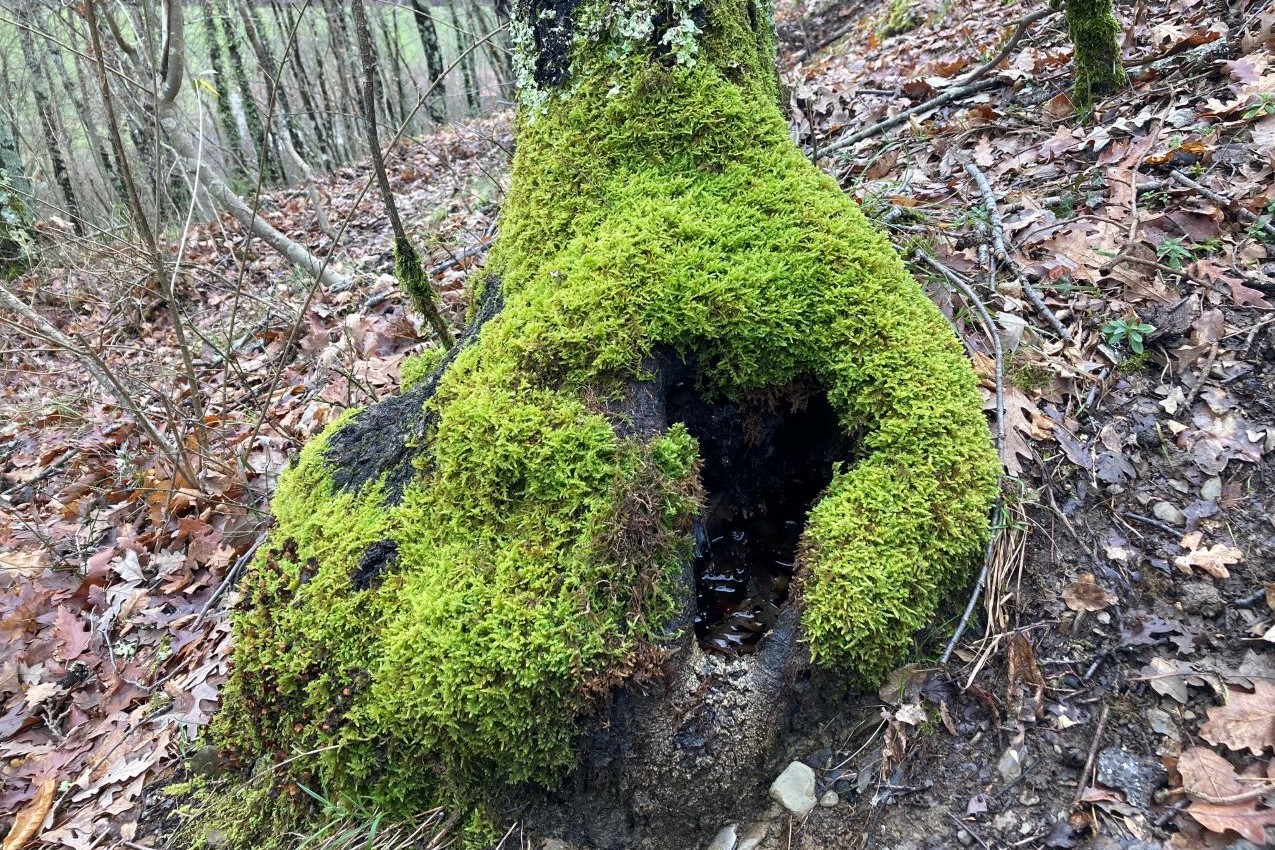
x: 17, y: 237
x: 436, y: 103
x: 1094, y: 36
x: 48, y: 124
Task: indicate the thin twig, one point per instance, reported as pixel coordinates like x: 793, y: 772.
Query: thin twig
x: 998, y: 243
x: 231, y: 575
x: 986, y: 318
x: 1093, y: 754
x: 1217, y: 198
x: 968, y: 831
x: 1204, y: 376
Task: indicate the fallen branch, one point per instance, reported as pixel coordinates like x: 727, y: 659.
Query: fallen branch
x: 946, y: 97
x: 1019, y: 31
x: 1001, y: 251
x: 971, y: 83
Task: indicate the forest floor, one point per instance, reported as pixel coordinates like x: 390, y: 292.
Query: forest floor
x: 1116, y: 684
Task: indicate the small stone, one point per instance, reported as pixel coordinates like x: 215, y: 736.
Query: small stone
x: 795, y: 789
x: 752, y: 837
x: 964, y: 837
x: 206, y: 762
x: 1161, y: 723
x: 1029, y: 798
x: 725, y: 839
x: 1201, y: 597
x: 1211, y: 489
x: 214, y: 839
x: 1005, y: 822
x: 1167, y: 512
x: 829, y: 799
x: 1010, y: 765
x: 1104, y: 617
x: 555, y: 844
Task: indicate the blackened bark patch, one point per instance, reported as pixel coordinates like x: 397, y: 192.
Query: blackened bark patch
x: 386, y: 440
x: 664, y: 20
x: 377, y: 560
x: 552, y: 24
x: 764, y: 467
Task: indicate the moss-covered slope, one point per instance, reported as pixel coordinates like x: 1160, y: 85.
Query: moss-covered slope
x: 448, y: 641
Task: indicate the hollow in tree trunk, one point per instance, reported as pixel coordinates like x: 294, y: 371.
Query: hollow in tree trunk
x: 1094, y: 32
x: 704, y: 438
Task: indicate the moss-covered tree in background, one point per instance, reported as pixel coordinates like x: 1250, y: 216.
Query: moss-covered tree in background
x: 461, y: 574
x: 1094, y: 34
x: 17, y: 239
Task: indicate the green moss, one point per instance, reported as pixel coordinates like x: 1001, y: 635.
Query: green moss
x: 419, y: 366
x: 897, y: 19
x: 653, y: 205
x: 1094, y: 32
x: 411, y: 276
x: 17, y: 237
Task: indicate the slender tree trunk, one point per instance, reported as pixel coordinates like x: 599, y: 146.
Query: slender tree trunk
x: 339, y: 40
x: 469, y: 77
x: 1095, y: 36
x: 302, y: 81
x: 407, y: 262
x: 496, y: 50
x: 17, y: 238
x: 436, y: 102
x: 260, y: 139
x: 48, y: 123
x: 110, y: 169
x: 233, y: 146
x: 400, y: 71
x: 189, y: 158
x: 279, y: 110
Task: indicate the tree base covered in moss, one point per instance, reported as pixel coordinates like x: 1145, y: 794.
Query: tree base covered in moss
x: 436, y: 632
x: 1094, y: 33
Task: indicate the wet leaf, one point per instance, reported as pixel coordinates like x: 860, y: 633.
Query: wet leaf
x: 1244, y: 818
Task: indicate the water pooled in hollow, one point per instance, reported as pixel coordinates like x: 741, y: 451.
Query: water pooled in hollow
x: 764, y: 466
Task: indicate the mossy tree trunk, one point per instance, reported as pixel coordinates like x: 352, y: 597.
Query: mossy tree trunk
x: 436, y: 101
x: 464, y: 580
x: 1094, y: 34
x: 17, y: 236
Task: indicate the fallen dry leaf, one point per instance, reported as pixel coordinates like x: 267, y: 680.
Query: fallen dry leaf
x: 29, y: 820
x: 1213, y: 560
x: 1085, y: 594
x: 1244, y: 818
x: 1206, y: 775
x: 1247, y: 721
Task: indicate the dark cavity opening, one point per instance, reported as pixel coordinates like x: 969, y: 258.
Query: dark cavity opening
x: 765, y: 464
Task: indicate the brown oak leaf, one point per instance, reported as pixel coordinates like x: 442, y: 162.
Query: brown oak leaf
x: 1247, y: 721
x: 1244, y: 817
x: 1085, y: 594
x: 1206, y: 775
